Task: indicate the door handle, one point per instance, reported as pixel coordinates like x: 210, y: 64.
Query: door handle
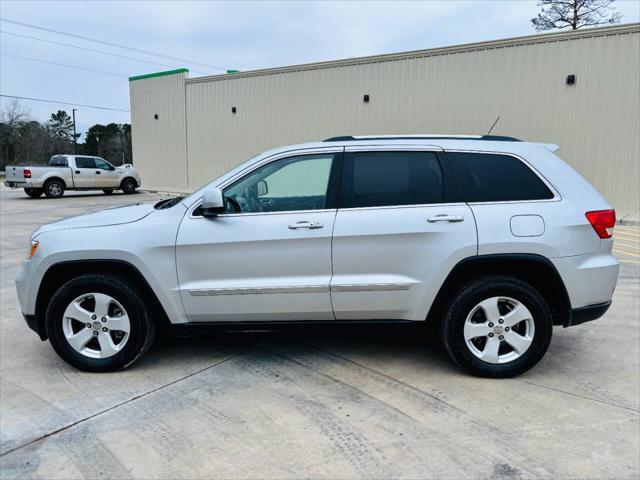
x: 77, y: 172
x: 446, y: 218
x: 97, y: 172
x: 305, y: 224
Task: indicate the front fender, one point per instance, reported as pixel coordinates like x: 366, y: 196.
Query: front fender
x: 147, y: 245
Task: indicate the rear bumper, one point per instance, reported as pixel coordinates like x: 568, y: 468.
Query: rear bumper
x: 587, y: 314
x: 589, y: 279
x: 14, y: 184
x: 36, y: 324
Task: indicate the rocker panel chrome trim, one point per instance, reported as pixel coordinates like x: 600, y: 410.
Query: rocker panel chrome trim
x: 372, y: 287
x: 257, y: 291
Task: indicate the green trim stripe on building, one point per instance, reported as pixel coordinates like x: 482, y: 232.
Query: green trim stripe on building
x: 159, y: 74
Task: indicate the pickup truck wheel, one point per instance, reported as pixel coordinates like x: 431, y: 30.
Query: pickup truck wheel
x: 98, y: 323
x: 497, y: 326
x: 54, y: 189
x: 128, y: 186
x: 108, y: 191
x: 34, y: 192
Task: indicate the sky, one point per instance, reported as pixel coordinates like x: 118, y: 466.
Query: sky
x: 242, y: 35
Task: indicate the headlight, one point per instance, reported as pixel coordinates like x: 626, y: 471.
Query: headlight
x: 33, y: 246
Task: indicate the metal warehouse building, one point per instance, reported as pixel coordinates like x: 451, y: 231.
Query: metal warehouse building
x: 579, y: 89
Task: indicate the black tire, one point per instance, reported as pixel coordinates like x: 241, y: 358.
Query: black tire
x: 466, y: 299
x: 142, y: 327
x: 54, y: 188
x: 128, y: 186
x: 34, y: 192
x: 108, y: 191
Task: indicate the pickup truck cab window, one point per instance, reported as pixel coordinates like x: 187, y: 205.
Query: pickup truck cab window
x: 103, y: 165
x: 289, y: 184
x: 58, y: 161
x: 85, y: 162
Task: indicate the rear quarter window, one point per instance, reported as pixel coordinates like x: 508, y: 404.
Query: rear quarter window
x: 489, y: 177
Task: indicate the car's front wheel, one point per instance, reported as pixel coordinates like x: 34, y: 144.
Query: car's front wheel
x: 497, y: 326
x: 129, y: 186
x: 98, y: 323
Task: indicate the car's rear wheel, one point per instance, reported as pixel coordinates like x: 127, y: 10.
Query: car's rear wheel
x: 54, y: 188
x: 34, y: 192
x: 497, y: 326
x: 129, y: 186
x: 108, y: 191
x: 98, y: 323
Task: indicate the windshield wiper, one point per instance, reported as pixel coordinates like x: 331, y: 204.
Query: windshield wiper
x: 167, y: 203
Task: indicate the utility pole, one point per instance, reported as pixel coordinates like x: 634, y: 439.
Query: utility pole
x: 75, y: 142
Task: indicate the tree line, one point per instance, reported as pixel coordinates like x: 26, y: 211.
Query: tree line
x: 26, y: 141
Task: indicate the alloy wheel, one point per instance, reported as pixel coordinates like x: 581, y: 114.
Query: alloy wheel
x: 96, y: 325
x: 499, y: 330
x: 55, y: 189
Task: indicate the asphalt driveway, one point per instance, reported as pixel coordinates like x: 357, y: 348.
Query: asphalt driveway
x: 312, y: 403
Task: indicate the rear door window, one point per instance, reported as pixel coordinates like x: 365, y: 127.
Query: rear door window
x: 374, y: 179
x: 489, y: 177
x: 85, y: 162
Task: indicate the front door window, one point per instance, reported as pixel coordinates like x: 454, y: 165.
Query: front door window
x: 286, y: 185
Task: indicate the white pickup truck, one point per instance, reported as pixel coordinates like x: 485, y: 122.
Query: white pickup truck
x: 73, y: 172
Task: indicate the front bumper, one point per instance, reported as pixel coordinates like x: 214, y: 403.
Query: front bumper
x: 586, y: 314
x: 24, y: 288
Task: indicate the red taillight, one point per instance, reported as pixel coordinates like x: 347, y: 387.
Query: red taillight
x: 27, y: 173
x: 602, y: 222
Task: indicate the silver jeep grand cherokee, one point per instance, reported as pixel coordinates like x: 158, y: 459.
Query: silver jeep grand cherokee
x: 490, y: 239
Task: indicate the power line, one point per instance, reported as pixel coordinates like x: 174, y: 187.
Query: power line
x: 111, y: 44
x: 93, y: 50
x: 63, y: 65
x: 64, y: 103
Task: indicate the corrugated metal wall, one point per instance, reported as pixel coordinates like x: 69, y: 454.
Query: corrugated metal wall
x: 456, y: 90
x: 159, y: 145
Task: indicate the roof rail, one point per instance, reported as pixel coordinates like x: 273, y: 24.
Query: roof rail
x: 353, y: 138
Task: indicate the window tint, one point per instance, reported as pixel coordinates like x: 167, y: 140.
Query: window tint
x: 85, y: 162
x: 58, y: 161
x: 288, y: 184
x: 392, y: 178
x: 102, y: 165
x: 496, y: 178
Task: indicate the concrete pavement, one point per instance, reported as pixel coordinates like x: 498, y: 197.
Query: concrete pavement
x: 316, y: 404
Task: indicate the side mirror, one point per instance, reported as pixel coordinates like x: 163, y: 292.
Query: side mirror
x: 212, y: 202
x: 262, y: 187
